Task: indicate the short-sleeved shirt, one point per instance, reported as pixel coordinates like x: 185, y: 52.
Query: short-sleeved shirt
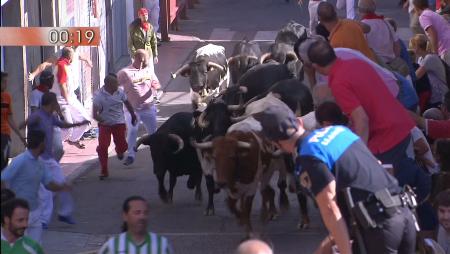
x: 24, y: 176
x: 153, y: 244
x: 355, y: 83
x: 45, y: 122
x: 381, y: 38
x: 336, y: 153
x: 23, y: 245
x: 441, y: 26
x: 6, y: 112
x: 136, y: 92
x: 349, y: 34
x: 110, y: 106
x: 436, y: 74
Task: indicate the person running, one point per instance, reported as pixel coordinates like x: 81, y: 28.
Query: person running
x: 135, y: 237
x: 24, y: 176
x: 108, y: 111
x: 329, y: 161
x: 136, y: 80
x: 72, y: 108
x: 15, y: 214
x: 7, y: 122
x: 45, y: 120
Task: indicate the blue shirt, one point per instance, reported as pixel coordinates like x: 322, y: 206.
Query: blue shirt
x: 45, y: 122
x: 328, y: 144
x: 24, y: 176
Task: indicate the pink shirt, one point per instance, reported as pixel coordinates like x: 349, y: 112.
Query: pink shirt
x: 138, y: 92
x: 429, y: 18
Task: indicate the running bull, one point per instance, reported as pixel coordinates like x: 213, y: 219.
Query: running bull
x: 172, y: 152
x: 207, y: 72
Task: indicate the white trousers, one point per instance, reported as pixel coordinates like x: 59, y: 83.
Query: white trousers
x: 45, y: 204
x: 313, y: 18
x: 34, y: 230
x: 74, y: 112
x: 349, y: 7
x: 66, y: 203
x: 153, y: 15
x: 145, y: 116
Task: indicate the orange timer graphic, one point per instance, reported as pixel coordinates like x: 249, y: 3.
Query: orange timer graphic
x: 49, y: 36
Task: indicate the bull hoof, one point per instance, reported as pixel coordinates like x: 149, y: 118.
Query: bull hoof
x: 209, y: 212
x: 164, y: 198
x: 284, y: 202
x: 191, y: 183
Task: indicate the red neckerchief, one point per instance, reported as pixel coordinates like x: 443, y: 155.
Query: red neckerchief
x: 42, y: 88
x: 372, y: 16
x: 145, y: 26
x: 64, y: 60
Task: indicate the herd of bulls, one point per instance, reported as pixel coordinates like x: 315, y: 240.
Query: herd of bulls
x: 221, y: 140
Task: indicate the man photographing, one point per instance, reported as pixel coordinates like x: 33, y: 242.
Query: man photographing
x: 332, y: 159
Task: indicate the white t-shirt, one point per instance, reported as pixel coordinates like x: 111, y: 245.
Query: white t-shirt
x: 417, y: 134
x: 381, y: 38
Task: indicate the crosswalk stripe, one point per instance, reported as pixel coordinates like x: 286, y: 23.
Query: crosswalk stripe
x: 265, y: 36
x: 221, y: 34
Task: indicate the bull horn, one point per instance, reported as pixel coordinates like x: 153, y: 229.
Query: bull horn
x: 202, y: 123
x: 243, y: 144
x: 264, y: 57
x: 140, y: 141
x: 238, y: 119
x: 234, y: 107
x: 179, y: 140
x: 277, y: 153
x: 202, y: 145
x: 181, y: 70
x: 213, y: 64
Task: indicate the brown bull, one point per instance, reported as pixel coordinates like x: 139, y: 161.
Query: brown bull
x: 241, y: 165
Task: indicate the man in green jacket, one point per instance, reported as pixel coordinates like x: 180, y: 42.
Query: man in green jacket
x: 143, y: 36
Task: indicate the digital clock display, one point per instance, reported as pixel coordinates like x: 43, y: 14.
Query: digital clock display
x: 50, y: 36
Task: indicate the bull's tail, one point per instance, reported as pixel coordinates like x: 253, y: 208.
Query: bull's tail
x: 140, y: 141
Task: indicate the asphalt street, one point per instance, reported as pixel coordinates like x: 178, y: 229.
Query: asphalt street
x: 98, y: 203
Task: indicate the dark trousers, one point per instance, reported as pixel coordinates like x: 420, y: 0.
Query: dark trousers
x: 5, y: 148
x: 396, y: 236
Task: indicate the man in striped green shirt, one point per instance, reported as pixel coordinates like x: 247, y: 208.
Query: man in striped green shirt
x: 15, y: 214
x: 135, y: 238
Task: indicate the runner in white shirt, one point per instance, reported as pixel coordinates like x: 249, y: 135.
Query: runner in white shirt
x: 135, y: 239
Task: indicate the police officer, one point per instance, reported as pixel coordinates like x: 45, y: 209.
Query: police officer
x: 333, y: 160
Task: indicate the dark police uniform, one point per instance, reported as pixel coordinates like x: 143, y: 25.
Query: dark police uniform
x: 336, y: 153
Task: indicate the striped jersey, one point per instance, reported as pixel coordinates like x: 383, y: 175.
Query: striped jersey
x: 153, y: 244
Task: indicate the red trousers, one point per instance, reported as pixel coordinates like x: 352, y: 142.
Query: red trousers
x: 118, y: 132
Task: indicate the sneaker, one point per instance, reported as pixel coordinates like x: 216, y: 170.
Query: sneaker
x: 128, y: 161
x: 44, y: 226
x: 66, y: 219
x: 120, y: 156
